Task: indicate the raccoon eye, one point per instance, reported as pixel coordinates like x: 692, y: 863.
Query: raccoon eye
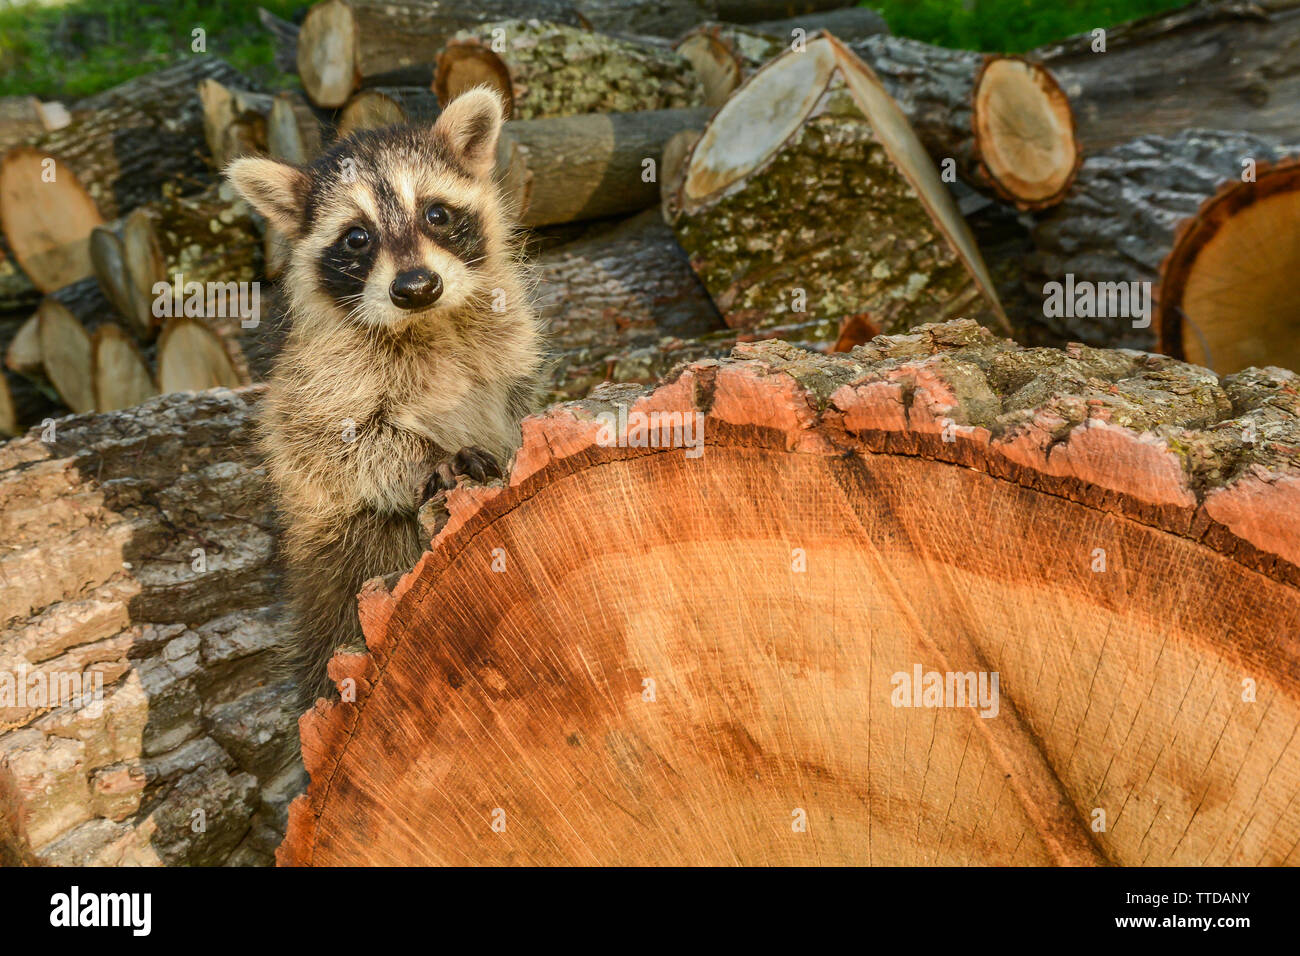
x: 356, y: 238
x: 437, y: 215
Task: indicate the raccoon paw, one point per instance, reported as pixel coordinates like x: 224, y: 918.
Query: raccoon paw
x: 472, y: 463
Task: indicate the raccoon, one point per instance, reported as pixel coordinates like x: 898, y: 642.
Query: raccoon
x: 413, y: 352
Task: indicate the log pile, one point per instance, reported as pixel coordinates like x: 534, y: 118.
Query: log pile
x: 805, y: 245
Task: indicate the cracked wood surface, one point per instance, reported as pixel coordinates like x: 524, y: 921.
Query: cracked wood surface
x: 519, y: 697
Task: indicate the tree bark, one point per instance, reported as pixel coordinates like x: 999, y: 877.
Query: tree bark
x: 830, y: 210
x: 138, y: 544
x: 1229, y: 66
x: 838, y: 469
x: 342, y: 46
x: 620, y: 304
x: 1120, y: 224
x: 547, y: 69
x: 126, y: 143
x: 587, y: 167
x: 672, y: 18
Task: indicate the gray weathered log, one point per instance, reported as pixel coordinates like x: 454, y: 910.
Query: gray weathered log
x: 102, y: 533
x: 1230, y: 66
x: 1119, y: 221
x: 614, y: 296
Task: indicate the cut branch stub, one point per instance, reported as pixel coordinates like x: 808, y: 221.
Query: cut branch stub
x: 656, y: 688
x: 1227, y: 295
x: 809, y: 192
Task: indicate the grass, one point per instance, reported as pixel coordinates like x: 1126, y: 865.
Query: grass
x: 65, y: 49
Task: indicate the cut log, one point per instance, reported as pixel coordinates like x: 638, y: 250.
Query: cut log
x: 23, y: 354
x: 1230, y: 66
x: 127, y: 267
x: 383, y: 106
x: 809, y: 193
x: 548, y: 69
x: 342, y: 46
x: 125, y: 144
x: 66, y: 354
x: 587, y: 167
x: 47, y: 217
x: 9, y: 425
x: 293, y: 131
x: 139, y: 545
x: 657, y: 688
x: 24, y: 118
x: 1222, y: 300
x: 192, y: 357
x: 1003, y: 121
x: 199, y: 256
x: 120, y: 375
x: 234, y: 121
x: 612, y: 295
x: 28, y: 396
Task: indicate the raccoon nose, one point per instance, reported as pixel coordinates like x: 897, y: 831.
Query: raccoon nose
x: 415, y: 289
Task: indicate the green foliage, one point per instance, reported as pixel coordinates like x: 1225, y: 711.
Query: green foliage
x: 69, y: 50
x: 1008, y: 26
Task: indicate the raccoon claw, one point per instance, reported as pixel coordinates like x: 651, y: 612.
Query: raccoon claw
x: 472, y: 463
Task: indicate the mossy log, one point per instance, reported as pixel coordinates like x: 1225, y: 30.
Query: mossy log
x: 548, y: 69
x: 344, y: 45
x: 139, y: 545
x: 591, y: 166
x: 1230, y: 66
x: 1145, y: 212
x: 940, y: 501
x: 809, y: 197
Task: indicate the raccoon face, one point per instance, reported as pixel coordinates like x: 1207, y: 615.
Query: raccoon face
x: 391, y: 226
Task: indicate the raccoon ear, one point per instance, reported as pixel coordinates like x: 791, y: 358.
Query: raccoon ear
x: 470, y: 126
x: 276, y: 190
